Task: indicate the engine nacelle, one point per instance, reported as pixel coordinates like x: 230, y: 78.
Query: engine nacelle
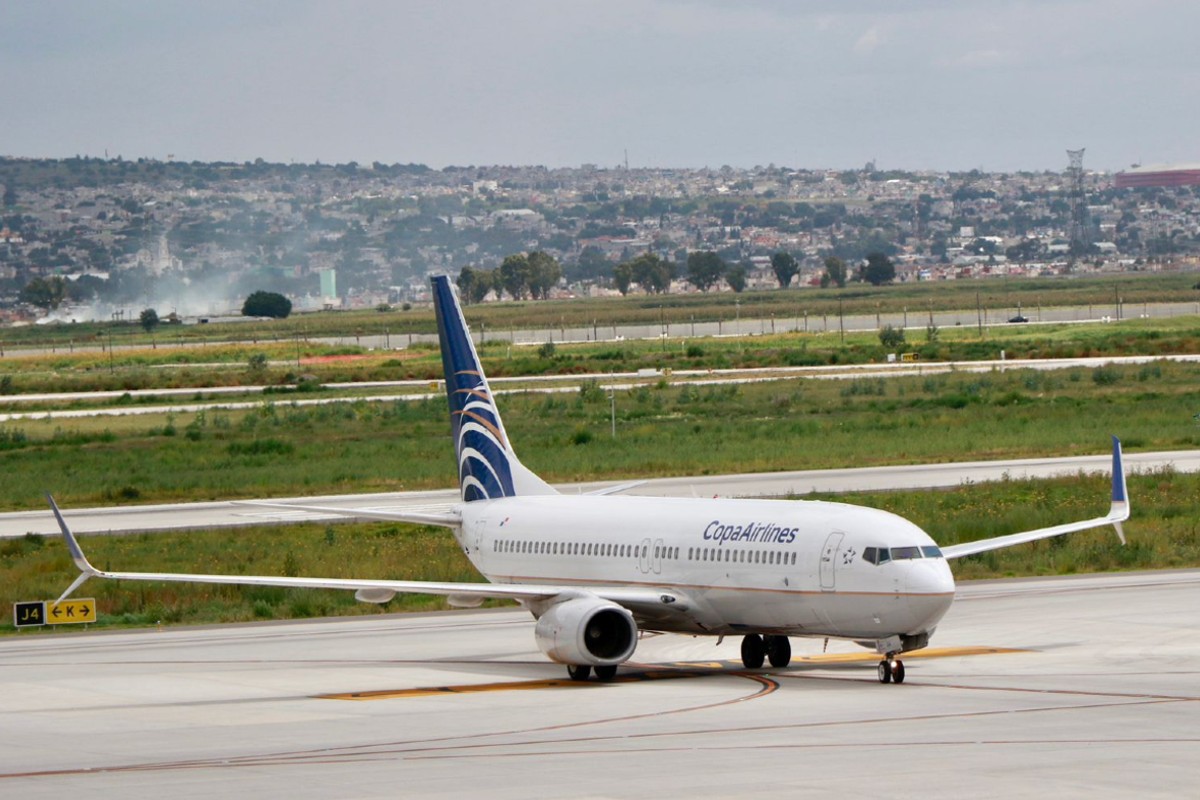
x: 587, y: 630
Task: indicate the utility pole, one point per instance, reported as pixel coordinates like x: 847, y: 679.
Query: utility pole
x: 1077, y: 229
x: 612, y: 399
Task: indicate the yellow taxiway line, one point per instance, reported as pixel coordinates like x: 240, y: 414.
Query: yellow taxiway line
x: 681, y: 669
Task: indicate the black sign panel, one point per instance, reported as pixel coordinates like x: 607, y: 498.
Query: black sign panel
x: 26, y: 615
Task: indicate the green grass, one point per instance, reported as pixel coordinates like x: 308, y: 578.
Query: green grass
x: 228, y: 365
x: 1162, y: 533
x: 662, y: 429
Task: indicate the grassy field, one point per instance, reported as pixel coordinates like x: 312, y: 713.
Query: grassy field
x: 665, y: 427
x: 229, y: 365
x: 1163, y: 533
x: 999, y: 296
x: 662, y: 429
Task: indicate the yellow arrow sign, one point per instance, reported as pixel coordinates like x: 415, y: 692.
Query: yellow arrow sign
x: 69, y: 612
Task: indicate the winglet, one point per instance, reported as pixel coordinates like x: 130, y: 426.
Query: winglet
x: 1119, y: 511
x: 85, y: 568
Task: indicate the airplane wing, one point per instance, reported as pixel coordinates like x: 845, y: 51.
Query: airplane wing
x: 1118, y: 513
x: 644, y: 601
x: 446, y: 515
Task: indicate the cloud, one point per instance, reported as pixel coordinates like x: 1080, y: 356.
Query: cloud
x: 986, y: 58
x: 869, y: 41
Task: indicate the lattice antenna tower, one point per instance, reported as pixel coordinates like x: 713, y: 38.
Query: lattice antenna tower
x: 1078, y: 203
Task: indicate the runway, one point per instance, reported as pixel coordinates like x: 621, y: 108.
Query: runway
x: 1064, y: 687
x: 189, y: 516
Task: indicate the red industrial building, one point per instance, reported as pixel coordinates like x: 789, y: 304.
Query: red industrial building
x: 1159, y: 175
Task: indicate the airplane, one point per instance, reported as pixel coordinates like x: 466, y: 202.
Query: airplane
x: 599, y: 570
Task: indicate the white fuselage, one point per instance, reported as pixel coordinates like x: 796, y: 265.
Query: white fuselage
x: 738, y: 566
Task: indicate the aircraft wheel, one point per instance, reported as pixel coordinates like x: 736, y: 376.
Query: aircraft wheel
x: 579, y: 672
x: 897, y: 671
x: 606, y: 674
x: 753, y: 651
x: 885, y: 672
x: 779, y: 651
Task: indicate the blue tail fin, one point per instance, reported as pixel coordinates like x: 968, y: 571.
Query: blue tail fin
x: 487, y: 466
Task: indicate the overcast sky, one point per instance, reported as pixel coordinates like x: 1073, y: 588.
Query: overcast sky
x: 926, y: 84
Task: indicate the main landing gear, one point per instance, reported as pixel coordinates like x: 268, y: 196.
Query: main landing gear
x: 891, y: 670
x: 776, y: 649
x: 581, y: 672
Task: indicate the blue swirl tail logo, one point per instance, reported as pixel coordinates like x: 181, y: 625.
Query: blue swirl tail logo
x: 487, y: 467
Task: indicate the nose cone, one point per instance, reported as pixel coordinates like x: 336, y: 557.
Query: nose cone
x: 930, y: 587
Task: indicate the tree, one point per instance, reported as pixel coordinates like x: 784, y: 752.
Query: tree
x: 835, y: 268
x: 474, y: 284
x: 266, y: 304
x: 10, y: 193
x: 891, y: 337
x: 514, y: 275
x: 652, y: 272
x: 45, y: 293
x: 785, y: 267
x: 705, y: 268
x: 544, y: 273
x: 1027, y: 250
x: 623, y: 275
x: 149, y: 319
x: 592, y: 263
x: 736, y: 277
x: 879, y: 269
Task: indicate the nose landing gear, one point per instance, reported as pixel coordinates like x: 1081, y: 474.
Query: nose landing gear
x: 891, y: 670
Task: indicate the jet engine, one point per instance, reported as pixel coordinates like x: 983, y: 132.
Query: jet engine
x: 587, y: 630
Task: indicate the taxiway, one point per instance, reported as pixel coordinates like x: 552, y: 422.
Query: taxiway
x: 1065, y: 687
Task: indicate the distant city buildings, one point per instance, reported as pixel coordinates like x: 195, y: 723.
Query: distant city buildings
x: 198, y: 238
x: 1158, y: 175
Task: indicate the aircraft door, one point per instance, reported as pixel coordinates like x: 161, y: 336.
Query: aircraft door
x: 829, y: 556
x: 474, y: 542
x: 644, y: 556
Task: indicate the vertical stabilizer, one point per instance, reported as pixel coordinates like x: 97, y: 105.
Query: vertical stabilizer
x: 487, y: 466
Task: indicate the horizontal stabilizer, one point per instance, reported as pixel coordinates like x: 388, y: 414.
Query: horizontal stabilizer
x: 446, y: 515
x: 618, y: 489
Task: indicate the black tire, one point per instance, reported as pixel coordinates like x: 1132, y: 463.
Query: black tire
x: 779, y: 651
x: 606, y: 674
x: 898, y: 672
x: 753, y: 651
x: 579, y: 672
x: 885, y: 672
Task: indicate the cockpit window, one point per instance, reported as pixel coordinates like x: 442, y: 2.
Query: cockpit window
x: 876, y: 555
x: 931, y: 551
x: 904, y: 553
